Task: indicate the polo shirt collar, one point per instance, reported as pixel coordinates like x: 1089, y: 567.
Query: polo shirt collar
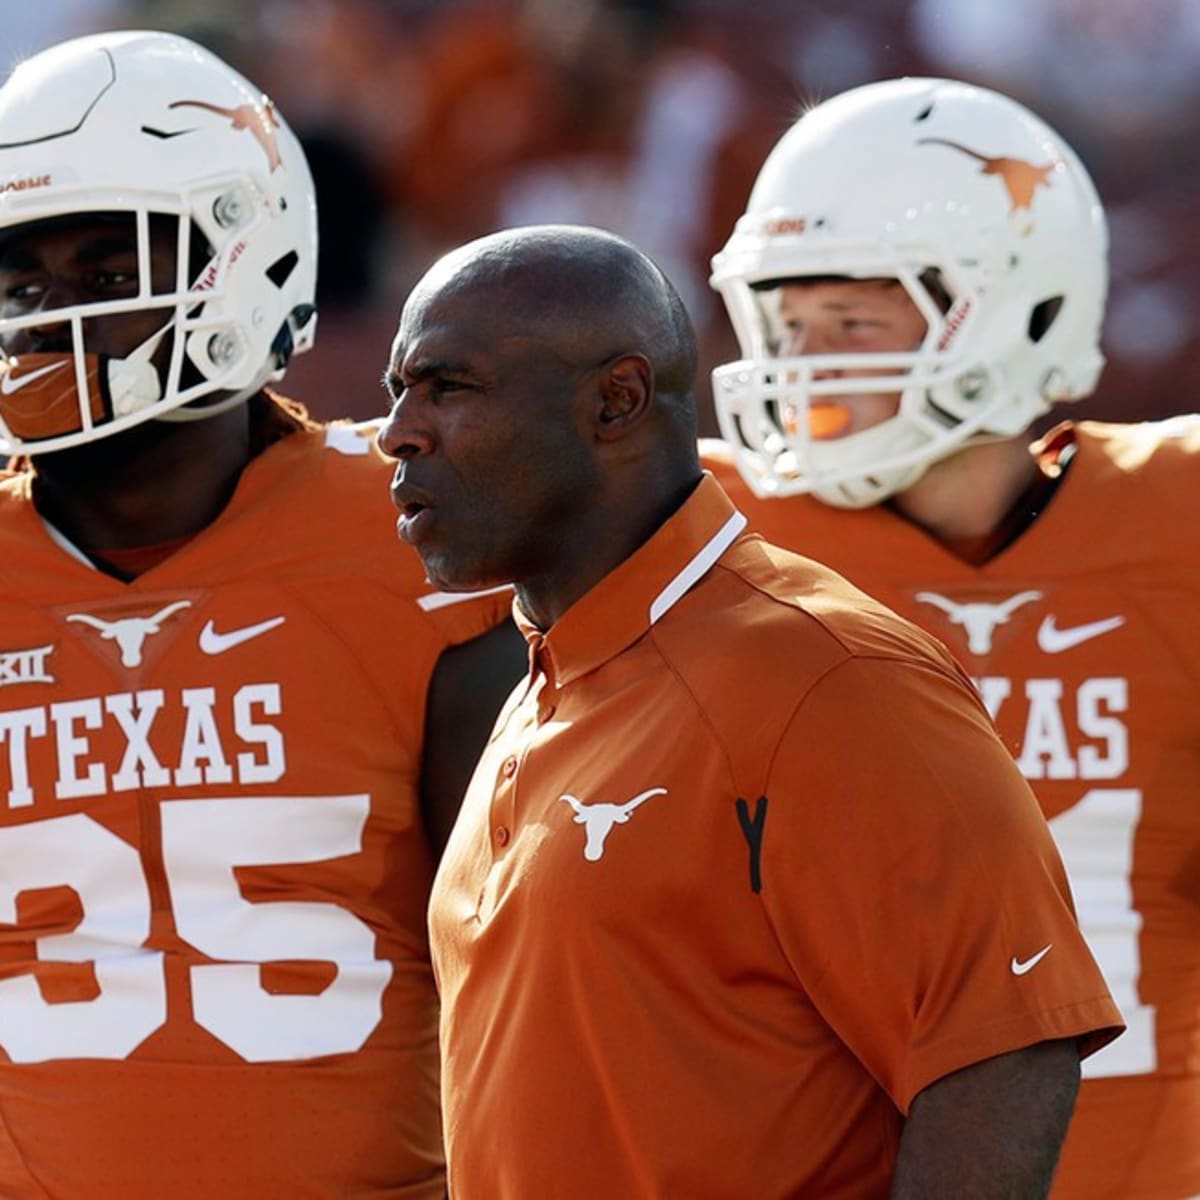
x: 641, y: 590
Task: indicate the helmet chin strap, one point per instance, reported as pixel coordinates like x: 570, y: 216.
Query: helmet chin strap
x: 134, y: 383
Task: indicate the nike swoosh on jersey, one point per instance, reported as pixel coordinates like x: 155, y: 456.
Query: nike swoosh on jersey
x: 10, y: 383
x: 212, y: 642
x: 1054, y: 640
x: 1023, y: 968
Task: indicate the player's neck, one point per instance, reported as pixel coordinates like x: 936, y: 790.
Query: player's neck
x: 967, y: 497
x: 157, y: 483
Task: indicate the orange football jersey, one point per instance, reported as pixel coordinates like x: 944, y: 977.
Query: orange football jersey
x: 742, y: 870
x: 214, y: 975
x: 1082, y: 636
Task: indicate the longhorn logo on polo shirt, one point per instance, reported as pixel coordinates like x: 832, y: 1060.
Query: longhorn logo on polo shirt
x: 598, y: 819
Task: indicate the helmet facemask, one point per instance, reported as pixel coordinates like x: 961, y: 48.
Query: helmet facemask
x: 155, y: 136
x: 785, y: 408
x: 59, y: 376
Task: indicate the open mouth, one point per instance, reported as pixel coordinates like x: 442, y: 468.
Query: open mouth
x: 413, y: 521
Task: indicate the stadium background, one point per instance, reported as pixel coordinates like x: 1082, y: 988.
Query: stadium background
x: 429, y: 122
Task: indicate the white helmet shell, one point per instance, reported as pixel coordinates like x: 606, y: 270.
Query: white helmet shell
x: 147, y: 124
x: 913, y: 180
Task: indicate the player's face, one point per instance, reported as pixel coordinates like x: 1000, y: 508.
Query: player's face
x: 53, y: 265
x: 848, y: 316
x: 494, y: 463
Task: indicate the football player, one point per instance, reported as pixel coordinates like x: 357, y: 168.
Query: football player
x: 214, y: 975
x: 920, y: 276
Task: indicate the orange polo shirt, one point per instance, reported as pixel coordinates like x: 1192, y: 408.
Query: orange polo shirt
x: 743, y: 869
x: 1082, y: 638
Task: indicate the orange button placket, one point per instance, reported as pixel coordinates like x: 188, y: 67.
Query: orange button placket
x: 503, y: 807
x: 537, y: 707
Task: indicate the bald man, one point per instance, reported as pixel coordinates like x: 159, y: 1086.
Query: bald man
x: 746, y: 898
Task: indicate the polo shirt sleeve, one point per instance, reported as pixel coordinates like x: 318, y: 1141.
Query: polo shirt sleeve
x: 913, y: 884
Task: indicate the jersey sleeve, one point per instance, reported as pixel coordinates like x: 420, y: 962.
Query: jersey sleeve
x: 460, y: 616
x: 913, y: 883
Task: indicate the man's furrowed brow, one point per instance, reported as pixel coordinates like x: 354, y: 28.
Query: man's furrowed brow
x: 408, y: 372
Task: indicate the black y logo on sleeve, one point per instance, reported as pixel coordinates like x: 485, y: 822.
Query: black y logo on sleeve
x: 752, y: 830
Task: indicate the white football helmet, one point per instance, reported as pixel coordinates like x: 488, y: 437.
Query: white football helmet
x: 988, y: 220
x: 142, y: 125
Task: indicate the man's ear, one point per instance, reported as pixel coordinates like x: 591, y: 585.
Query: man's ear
x: 624, y: 396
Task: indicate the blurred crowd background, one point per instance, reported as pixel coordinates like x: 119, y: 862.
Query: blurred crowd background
x: 429, y: 122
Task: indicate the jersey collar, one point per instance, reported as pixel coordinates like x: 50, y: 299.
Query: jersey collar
x: 641, y: 590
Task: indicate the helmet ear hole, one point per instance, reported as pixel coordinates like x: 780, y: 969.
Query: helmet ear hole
x: 1043, y: 316
x: 281, y: 268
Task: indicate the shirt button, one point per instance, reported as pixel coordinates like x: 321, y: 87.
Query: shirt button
x: 502, y: 835
x: 509, y: 767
